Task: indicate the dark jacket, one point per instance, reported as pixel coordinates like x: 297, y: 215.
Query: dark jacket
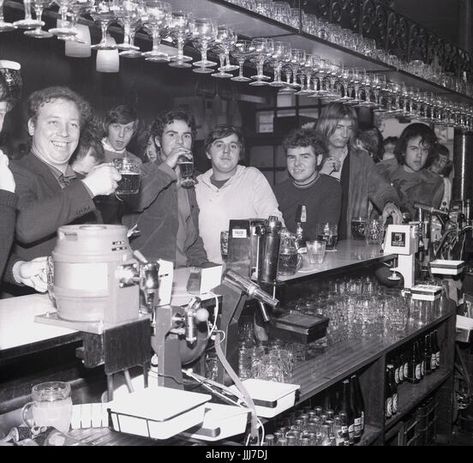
x: 366, y: 184
x: 43, y: 207
x: 158, y: 223
x: 7, y: 225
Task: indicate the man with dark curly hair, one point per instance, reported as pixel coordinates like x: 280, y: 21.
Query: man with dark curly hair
x: 320, y: 193
x: 408, y: 173
x: 169, y: 222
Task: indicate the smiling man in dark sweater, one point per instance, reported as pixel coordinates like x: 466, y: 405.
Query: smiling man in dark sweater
x: 320, y: 193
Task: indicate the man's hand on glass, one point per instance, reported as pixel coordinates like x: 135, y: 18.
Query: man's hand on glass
x: 391, y: 210
x: 176, y: 153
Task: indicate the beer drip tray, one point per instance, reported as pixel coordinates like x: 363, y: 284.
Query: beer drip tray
x: 300, y: 327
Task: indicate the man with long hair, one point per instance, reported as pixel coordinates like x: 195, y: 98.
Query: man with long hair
x: 353, y: 168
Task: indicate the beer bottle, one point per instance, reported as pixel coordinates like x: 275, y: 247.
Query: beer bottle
x: 394, y: 395
x: 301, y: 219
x: 358, y: 406
x: 428, y: 354
x: 401, y: 366
x: 433, y: 356
x: 411, y: 372
x: 422, y: 357
x: 346, y: 408
x: 388, y: 394
x: 406, y: 363
x: 396, y: 365
x: 344, y: 438
x: 436, y: 349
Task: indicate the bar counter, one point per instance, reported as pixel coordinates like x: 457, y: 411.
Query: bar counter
x: 21, y: 336
x: 347, y: 255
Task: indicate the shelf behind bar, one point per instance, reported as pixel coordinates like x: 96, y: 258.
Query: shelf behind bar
x: 250, y: 24
x: 345, y: 358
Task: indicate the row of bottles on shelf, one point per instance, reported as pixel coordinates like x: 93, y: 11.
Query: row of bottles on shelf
x: 411, y: 363
x: 340, y: 423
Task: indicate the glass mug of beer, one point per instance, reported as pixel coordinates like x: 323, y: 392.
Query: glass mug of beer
x: 51, y: 406
x: 130, y: 171
x: 186, y: 167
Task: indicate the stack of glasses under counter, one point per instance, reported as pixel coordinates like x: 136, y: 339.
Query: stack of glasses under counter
x: 337, y: 420
x: 361, y: 308
x: 358, y: 308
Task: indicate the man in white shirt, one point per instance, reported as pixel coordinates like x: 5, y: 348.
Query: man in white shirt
x: 228, y: 190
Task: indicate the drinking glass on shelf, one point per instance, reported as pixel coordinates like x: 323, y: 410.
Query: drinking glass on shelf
x: 5, y: 26
x: 375, y: 231
x: 128, y: 14
x: 28, y: 22
x: 158, y: 19
x: 203, y: 32
x: 63, y: 29
x: 316, y: 251
x: 308, y: 64
x: 263, y: 50
x: 281, y: 50
x: 358, y: 227
x: 225, y: 39
x: 328, y: 232
x: 242, y: 51
x: 180, y: 31
x: 104, y: 14
x: 38, y: 32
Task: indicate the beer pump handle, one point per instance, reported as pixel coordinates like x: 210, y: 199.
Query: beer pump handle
x: 249, y: 287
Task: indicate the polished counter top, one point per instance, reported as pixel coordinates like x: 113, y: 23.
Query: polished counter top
x: 349, y: 253
x: 20, y: 334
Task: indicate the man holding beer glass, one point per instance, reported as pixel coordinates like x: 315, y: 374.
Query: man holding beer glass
x: 49, y: 193
x: 169, y: 224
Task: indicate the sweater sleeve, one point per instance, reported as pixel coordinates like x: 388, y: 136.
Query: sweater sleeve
x: 40, y: 217
x: 7, y: 229
x: 380, y: 191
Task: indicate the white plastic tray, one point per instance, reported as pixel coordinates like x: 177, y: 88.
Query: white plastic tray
x: 220, y: 422
x: 270, y: 397
x: 159, y: 413
x: 447, y: 267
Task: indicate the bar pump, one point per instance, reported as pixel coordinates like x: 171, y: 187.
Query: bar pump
x: 95, y: 283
